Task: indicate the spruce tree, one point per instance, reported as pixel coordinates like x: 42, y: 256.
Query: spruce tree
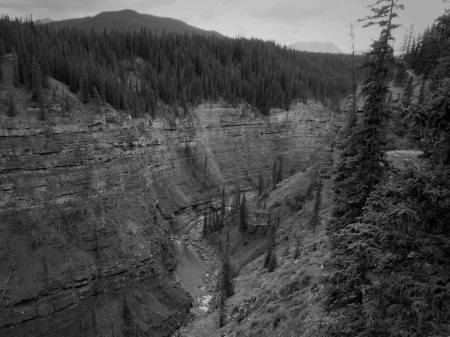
x: 260, y: 182
x: 16, y: 78
x: 274, y: 173
x: 11, y: 106
x: 223, y: 206
x: 273, y: 263
x: 363, y: 161
x: 2, y: 48
x: 315, y: 216
x: 407, y: 94
x: 280, y: 170
x: 205, y: 226
x: 401, y: 74
x: 422, y: 92
x: 37, y: 92
x: 243, y: 224
x: 358, y: 175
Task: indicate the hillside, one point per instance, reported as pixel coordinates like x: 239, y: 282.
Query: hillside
x: 131, y: 20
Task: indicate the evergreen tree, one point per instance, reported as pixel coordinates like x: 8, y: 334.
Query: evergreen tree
x: 274, y: 173
x: 280, y: 170
x: 2, y: 48
x: 273, y: 264
x: 243, y: 225
x: 260, y: 183
x: 37, y: 95
x: 315, y: 216
x: 129, y: 326
x: 11, y: 106
x: 15, y: 71
x: 366, y: 156
x: 401, y: 74
x: 223, y: 206
x: 422, y: 93
x: 407, y: 94
x: 227, y: 283
x: 363, y: 160
x: 205, y: 231
x: 271, y: 242
x: 222, y: 312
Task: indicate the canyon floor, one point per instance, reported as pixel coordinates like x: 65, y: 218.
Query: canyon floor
x: 286, y: 302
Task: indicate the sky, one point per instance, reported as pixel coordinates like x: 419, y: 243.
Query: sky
x: 282, y: 21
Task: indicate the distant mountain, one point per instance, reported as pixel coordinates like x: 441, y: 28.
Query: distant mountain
x: 318, y: 47
x: 131, y: 20
x: 46, y: 20
x: 361, y: 51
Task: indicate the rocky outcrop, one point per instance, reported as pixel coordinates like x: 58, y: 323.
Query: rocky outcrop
x: 86, y: 203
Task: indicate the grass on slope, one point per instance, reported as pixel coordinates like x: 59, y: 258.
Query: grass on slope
x: 286, y: 302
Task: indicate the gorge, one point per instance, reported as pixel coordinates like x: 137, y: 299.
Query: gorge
x: 87, y: 202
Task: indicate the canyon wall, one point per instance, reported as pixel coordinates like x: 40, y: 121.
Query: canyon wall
x: 86, y: 202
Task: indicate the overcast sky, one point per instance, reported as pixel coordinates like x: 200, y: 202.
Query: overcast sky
x: 284, y: 21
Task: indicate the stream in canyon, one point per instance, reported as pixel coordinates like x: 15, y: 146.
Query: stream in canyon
x: 197, y: 265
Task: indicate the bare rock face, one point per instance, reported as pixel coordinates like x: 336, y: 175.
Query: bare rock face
x: 86, y: 204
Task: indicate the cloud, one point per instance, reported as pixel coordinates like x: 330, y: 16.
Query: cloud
x: 80, y: 6
x: 210, y: 14
x: 293, y: 11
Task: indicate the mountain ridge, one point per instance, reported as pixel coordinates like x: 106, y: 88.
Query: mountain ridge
x: 129, y: 19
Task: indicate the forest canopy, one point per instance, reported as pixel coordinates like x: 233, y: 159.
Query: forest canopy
x: 136, y: 70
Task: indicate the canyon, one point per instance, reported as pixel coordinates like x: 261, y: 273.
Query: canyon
x: 88, y: 201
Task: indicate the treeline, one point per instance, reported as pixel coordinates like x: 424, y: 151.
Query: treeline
x: 390, y: 270
x: 134, y: 71
x: 422, y: 53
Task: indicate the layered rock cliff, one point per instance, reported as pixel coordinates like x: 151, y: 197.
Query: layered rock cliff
x: 86, y: 202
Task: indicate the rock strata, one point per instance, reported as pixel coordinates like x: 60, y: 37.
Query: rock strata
x: 86, y: 204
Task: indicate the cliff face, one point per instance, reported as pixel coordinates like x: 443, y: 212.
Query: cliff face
x: 86, y: 203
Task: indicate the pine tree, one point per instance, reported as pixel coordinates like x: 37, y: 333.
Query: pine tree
x: 223, y: 206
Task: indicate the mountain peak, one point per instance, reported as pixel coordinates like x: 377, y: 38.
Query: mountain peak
x: 129, y: 19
